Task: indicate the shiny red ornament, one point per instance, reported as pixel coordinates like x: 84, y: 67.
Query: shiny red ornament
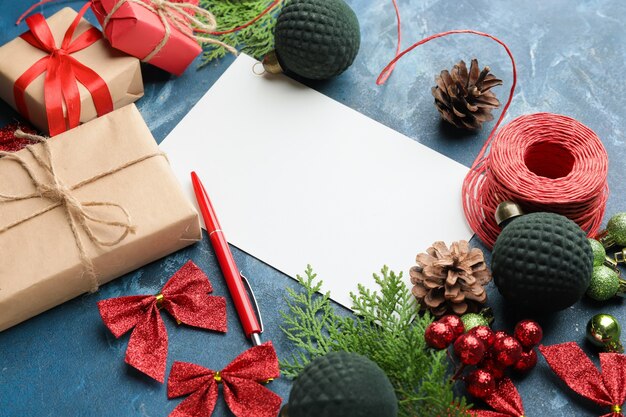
x: 507, y: 350
x: 529, y: 333
x: 455, y: 322
x: 480, y: 383
x: 439, y: 335
x: 242, y: 385
x: 495, y: 368
x: 499, y: 335
x: 504, y: 400
x: 184, y: 296
x: 8, y: 141
x: 469, y: 349
x: 606, y: 388
x: 526, y: 362
x: 485, y: 334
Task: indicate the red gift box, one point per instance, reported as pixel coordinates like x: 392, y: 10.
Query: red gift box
x: 160, y: 32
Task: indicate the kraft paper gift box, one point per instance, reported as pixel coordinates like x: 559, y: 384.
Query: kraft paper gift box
x: 109, y: 167
x: 135, y: 28
x: 121, y: 73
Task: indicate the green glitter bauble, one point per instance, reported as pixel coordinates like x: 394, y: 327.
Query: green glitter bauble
x: 316, y: 39
x: 471, y: 320
x: 604, y: 283
x: 542, y: 262
x: 599, y: 253
x: 616, y: 228
x: 342, y: 384
x: 603, y: 330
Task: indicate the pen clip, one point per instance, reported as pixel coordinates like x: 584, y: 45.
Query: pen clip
x: 256, y: 305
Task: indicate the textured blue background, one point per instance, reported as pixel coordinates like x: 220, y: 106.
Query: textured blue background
x: 570, y: 55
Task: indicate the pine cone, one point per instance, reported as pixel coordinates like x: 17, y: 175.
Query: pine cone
x: 450, y: 280
x: 464, y: 99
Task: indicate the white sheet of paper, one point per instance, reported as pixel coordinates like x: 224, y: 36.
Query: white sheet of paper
x: 297, y: 178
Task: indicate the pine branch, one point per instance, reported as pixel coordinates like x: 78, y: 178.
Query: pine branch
x: 255, y: 40
x: 386, y: 328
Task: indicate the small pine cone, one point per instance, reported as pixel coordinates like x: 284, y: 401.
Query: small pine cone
x: 464, y: 98
x: 450, y: 280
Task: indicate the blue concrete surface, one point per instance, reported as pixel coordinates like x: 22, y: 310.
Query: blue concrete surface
x: 570, y: 55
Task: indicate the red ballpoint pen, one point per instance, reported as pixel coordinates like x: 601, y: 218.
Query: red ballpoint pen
x: 234, y: 279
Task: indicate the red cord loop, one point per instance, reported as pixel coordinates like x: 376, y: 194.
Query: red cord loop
x: 543, y: 161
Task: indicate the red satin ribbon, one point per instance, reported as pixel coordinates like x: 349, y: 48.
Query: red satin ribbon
x: 241, y: 379
x: 63, y: 73
x: 606, y: 388
x: 505, y: 401
x: 185, y: 297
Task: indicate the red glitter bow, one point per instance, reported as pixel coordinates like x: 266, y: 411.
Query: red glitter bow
x: 242, y: 379
x: 185, y: 297
x: 607, y: 389
x: 63, y: 73
x: 505, y: 400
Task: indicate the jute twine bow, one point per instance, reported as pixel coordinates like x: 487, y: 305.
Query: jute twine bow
x: 182, y: 16
x: 60, y: 195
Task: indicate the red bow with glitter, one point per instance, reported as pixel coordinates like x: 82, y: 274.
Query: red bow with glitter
x: 505, y: 401
x: 185, y: 297
x: 63, y: 73
x: 241, y: 380
x: 607, y: 389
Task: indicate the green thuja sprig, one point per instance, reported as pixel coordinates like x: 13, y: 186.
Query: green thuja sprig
x: 255, y: 40
x: 386, y: 328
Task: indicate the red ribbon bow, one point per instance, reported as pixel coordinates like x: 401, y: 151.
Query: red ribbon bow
x: 185, y: 297
x: 505, y: 400
x: 63, y: 72
x: 607, y: 389
x: 242, y: 379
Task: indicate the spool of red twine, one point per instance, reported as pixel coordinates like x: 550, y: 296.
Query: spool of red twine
x: 542, y: 161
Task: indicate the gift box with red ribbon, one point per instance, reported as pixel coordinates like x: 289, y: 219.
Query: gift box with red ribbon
x: 62, y: 73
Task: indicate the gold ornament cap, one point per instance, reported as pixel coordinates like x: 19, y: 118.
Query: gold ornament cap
x: 271, y: 64
x: 507, y: 210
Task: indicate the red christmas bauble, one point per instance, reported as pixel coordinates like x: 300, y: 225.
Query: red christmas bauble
x: 469, y: 349
x: 439, y: 335
x: 485, y: 334
x: 526, y: 362
x: 494, y: 368
x: 480, y: 383
x: 499, y: 335
x: 454, y: 322
x: 507, y: 350
x: 528, y: 333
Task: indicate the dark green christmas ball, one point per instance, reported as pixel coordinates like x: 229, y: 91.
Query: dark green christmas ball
x: 342, y: 384
x: 542, y: 262
x: 316, y: 39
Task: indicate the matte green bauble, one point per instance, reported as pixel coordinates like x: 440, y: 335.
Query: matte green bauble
x: 341, y: 384
x: 599, y: 253
x: 605, y: 283
x: 316, y: 39
x: 542, y: 262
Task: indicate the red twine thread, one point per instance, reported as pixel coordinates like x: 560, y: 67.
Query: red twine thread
x: 542, y: 161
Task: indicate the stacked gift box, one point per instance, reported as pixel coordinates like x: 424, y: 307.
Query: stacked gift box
x: 77, y: 216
